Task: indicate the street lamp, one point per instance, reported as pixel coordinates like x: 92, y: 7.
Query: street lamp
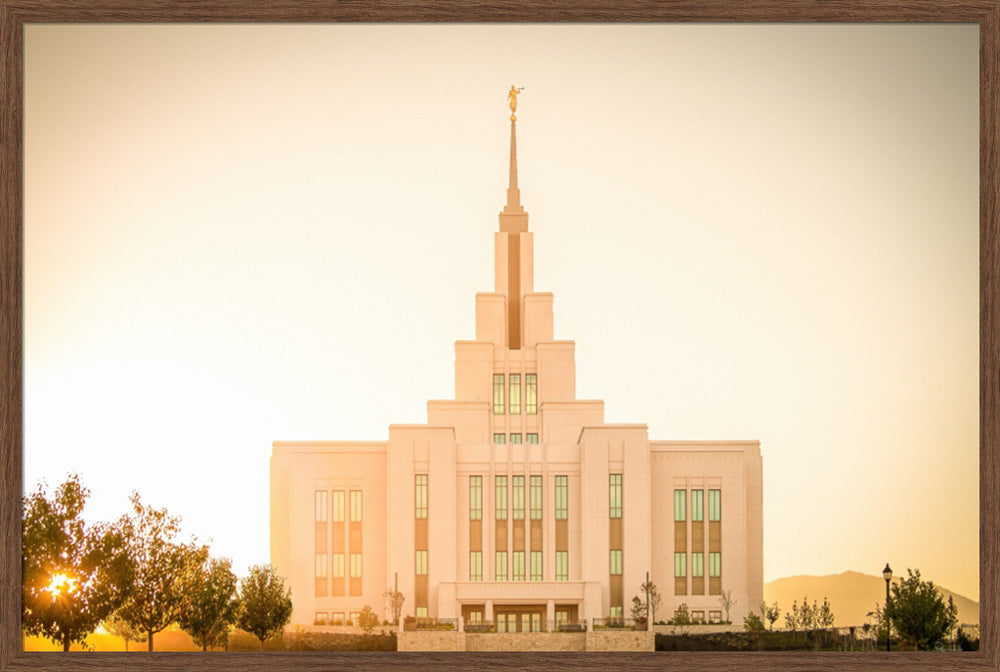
x: 887, y: 574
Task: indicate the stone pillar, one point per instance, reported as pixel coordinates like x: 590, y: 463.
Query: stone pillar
x: 550, y: 613
x: 489, y: 611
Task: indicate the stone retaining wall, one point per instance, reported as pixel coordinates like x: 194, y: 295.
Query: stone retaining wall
x: 526, y: 641
x: 696, y: 629
x: 430, y: 640
x: 620, y: 640
x: 592, y: 640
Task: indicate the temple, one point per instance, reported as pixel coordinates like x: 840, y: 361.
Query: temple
x: 516, y: 507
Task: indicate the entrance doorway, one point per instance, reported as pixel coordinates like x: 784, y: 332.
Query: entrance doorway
x: 528, y: 618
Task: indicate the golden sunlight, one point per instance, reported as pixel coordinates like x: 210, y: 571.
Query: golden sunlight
x: 61, y: 583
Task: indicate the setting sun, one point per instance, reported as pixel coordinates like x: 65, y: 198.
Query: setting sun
x: 61, y: 583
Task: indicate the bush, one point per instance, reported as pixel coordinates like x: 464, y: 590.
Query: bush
x: 766, y: 640
x: 367, y: 619
x: 681, y: 617
x: 752, y: 623
x: 965, y: 642
x: 244, y: 641
x: 333, y: 641
x: 301, y: 640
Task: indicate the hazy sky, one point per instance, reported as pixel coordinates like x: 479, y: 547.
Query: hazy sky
x: 240, y: 234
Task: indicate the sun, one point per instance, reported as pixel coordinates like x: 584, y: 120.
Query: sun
x: 61, y: 583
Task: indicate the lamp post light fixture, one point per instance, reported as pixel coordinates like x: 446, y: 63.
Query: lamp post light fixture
x: 887, y: 574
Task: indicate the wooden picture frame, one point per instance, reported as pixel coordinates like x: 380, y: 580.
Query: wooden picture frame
x: 15, y: 13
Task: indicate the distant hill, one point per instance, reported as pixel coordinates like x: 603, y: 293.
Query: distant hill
x: 852, y: 595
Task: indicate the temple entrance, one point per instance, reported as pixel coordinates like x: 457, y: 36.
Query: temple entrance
x: 566, y: 615
x: 526, y: 618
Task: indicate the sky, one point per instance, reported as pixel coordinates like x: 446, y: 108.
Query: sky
x: 236, y: 234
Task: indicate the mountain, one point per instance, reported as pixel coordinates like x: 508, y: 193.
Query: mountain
x: 852, y: 595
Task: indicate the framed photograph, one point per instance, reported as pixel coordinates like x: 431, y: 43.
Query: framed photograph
x: 252, y: 274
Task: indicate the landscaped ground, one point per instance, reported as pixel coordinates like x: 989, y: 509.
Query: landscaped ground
x: 174, y: 639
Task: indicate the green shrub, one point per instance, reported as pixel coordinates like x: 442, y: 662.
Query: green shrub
x: 965, y: 642
x: 752, y: 623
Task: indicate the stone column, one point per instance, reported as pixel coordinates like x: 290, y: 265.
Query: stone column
x: 550, y: 613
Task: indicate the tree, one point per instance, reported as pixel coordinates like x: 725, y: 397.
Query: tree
x: 209, y: 606
x: 120, y: 628
x: 265, y: 603
x: 394, y: 603
x: 919, y: 613
x: 791, y: 617
x: 752, y: 623
x: 823, y: 615
x: 682, y: 616
x: 727, y: 601
x: 638, y: 609
x: 966, y: 642
x: 73, y: 575
x: 769, y: 613
x: 877, y: 624
x: 220, y: 633
x: 804, y: 614
x: 367, y: 619
x: 652, y: 598
x: 160, y: 565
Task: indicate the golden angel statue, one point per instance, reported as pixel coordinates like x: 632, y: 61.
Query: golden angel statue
x: 512, y: 99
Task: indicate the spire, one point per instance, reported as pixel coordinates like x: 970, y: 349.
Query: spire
x: 513, y: 254
x: 513, y: 193
x: 513, y: 217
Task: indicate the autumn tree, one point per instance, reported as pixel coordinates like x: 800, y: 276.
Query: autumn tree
x: 265, y: 603
x: 919, y: 613
x: 394, y: 603
x: 119, y: 628
x: 73, y: 575
x: 209, y: 603
x: 160, y: 565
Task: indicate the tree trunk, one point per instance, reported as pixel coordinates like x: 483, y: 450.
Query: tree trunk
x: 150, y: 632
x: 262, y: 645
x: 126, y: 644
x: 66, y: 642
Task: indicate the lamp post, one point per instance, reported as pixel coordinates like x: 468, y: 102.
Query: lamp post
x: 647, y: 602
x: 887, y: 574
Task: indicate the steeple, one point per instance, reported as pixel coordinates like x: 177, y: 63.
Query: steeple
x: 513, y: 193
x: 513, y: 218
x: 513, y: 253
